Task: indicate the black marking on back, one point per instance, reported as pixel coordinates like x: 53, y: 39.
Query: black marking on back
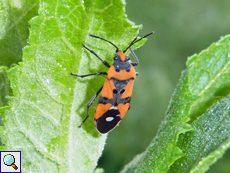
x: 122, y: 91
x: 126, y: 100
x: 104, y: 126
x: 114, y: 101
x: 117, y: 93
x: 120, y: 84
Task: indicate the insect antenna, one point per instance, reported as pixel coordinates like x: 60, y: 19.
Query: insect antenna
x: 117, y: 50
x: 135, y: 40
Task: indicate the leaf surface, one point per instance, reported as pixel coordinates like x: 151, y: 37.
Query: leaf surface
x: 14, y: 30
x: 49, y: 104
x: 5, y: 89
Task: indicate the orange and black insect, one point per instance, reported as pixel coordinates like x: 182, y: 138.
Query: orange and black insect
x: 116, y: 92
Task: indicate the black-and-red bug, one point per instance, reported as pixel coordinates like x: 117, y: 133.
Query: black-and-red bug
x: 116, y: 92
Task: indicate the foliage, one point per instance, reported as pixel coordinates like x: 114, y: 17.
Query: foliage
x: 48, y: 103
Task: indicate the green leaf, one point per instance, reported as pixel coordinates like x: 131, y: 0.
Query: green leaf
x: 210, y: 138
x: 205, y: 81
x: 14, y: 30
x: 207, y: 142
x: 49, y: 104
x: 2, y: 127
x: 5, y: 89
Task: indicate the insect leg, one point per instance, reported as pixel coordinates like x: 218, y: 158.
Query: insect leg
x: 98, y: 73
x: 89, y: 104
x: 134, y: 55
x: 104, y: 62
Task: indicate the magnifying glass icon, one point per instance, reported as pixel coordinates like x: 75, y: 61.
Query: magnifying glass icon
x: 9, y: 160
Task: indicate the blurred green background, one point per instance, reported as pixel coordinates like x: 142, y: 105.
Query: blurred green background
x: 182, y: 28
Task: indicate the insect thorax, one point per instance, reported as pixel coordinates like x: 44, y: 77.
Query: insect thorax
x: 121, y: 65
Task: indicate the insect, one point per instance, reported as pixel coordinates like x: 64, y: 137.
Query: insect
x: 116, y: 92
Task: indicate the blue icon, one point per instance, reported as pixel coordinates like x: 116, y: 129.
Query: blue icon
x: 9, y: 160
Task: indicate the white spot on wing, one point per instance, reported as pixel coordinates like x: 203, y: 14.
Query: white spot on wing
x: 113, y: 107
x: 109, y: 119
